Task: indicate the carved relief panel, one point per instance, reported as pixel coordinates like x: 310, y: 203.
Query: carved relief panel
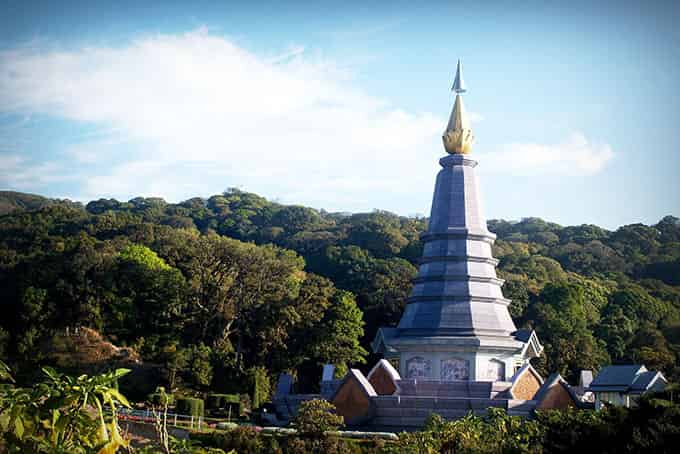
x: 495, y: 370
x: 419, y: 367
x: 455, y: 369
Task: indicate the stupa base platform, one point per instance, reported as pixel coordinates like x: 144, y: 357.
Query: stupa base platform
x: 384, y: 401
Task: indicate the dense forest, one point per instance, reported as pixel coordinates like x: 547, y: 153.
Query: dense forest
x: 214, y: 292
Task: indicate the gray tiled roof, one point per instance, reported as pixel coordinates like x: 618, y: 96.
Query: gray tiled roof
x: 522, y: 335
x: 616, y: 376
x: 634, y: 379
x: 643, y: 380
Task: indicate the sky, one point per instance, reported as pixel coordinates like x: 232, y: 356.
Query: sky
x: 340, y: 106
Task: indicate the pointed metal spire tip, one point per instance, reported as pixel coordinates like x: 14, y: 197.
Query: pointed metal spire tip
x: 458, y: 83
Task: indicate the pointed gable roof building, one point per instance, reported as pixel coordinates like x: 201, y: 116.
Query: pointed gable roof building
x: 615, y: 385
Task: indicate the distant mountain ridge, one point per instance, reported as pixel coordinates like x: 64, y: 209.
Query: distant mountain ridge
x: 17, y: 201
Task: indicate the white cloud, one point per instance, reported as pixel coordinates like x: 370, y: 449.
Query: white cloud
x: 198, y: 98
x: 574, y: 156
x: 10, y: 162
x: 193, y: 114
x: 17, y: 175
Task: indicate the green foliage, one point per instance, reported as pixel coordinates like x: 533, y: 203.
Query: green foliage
x: 62, y: 414
x: 242, y: 439
x: 652, y: 426
x: 144, y: 257
x: 201, y: 369
x: 342, y: 327
x: 227, y: 405
x: 257, y: 283
x: 161, y: 398
x: 562, y: 325
x: 496, y: 432
x: 434, y: 423
x: 190, y: 406
x: 316, y: 417
x: 616, y: 329
x: 11, y: 201
x: 176, y: 359
x: 216, y: 401
x: 260, y: 386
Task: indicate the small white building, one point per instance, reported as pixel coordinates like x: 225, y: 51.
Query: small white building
x: 621, y: 385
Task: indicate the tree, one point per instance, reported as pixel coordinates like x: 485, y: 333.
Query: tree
x: 516, y: 291
x: 617, y: 331
x: 264, y: 274
x: 316, y: 417
x: 283, y: 330
x: 150, y: 298
x: 378, y: 232
x: 638, y: 305
x: 561, y: 324
x: 201, y: 370
x: 383, y: 299
x: 650, y: 347
x: 336, y: 337
x: 176, y: 360
x: 231, y: 280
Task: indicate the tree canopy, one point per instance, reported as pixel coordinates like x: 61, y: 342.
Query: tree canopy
x: 235, y: 282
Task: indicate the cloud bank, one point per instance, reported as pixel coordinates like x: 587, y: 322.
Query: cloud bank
x: 181, y: 115
x: 574, y: 156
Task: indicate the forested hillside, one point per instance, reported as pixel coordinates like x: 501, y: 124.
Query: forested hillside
x: 216, y: 290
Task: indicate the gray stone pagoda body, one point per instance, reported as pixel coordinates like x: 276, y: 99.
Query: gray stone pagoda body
x: 456, y: 326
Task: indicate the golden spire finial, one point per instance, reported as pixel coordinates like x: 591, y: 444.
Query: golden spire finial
x: 458, y: 136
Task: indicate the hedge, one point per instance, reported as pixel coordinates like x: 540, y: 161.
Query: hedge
x: 260, y: 386
x: 190, y: 406
x: 216, y: 401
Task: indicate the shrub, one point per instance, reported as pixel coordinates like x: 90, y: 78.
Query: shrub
x: 493, y: 433
x: 227, y: 405
x: 316, y: 417
x: 326, y: 445
x: 190, y: 406
x: 434, y: 422
x: 241, y: 439
x: 224, y: 425
x: 217, y: 401
x: 245, y: 402
x: 260, y: 386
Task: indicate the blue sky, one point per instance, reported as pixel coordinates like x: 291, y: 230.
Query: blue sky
x: 341, y: 105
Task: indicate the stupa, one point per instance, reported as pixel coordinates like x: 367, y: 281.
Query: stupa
x: 456, y: 325
x: 456, y: 348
